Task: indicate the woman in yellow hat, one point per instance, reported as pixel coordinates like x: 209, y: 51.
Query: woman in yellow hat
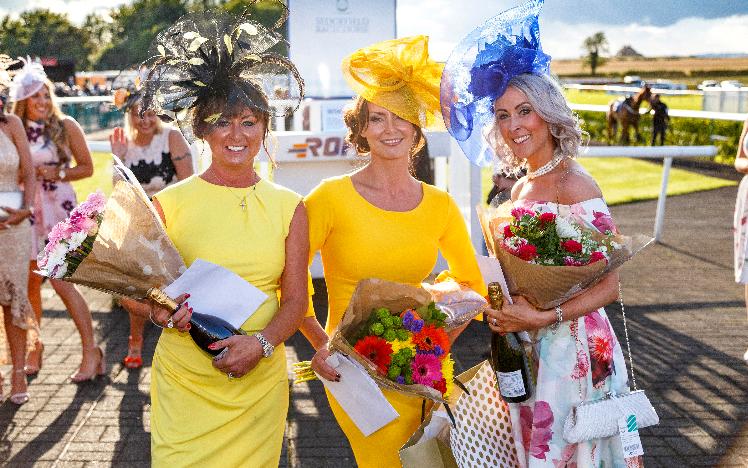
x: 379, y: 221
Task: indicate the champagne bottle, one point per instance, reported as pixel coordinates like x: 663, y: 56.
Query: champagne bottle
x: 508, y: 357
x: 205, y: 329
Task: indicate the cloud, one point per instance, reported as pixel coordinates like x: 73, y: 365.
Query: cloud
x: 77, y: 10
x: 446, y: 24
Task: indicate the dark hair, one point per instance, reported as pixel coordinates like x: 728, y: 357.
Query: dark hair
x: 219, y: 104
x: 356, y: 118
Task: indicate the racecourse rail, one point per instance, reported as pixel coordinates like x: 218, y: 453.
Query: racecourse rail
x: 304, y: 158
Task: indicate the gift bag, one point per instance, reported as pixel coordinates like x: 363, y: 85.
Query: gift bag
x: 429, y: 445
x: 482, y: 436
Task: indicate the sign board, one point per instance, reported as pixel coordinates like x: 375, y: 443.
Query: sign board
x: 322, y: 32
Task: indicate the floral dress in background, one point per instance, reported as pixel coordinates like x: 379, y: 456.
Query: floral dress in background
x: 740, y: 227
x: 54, y: 199
x: 152, y: 164
x: 581, y: 360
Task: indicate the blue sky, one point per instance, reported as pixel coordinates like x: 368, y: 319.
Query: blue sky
x: 654, y: 28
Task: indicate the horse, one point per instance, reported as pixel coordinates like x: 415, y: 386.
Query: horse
x: 626, y: 113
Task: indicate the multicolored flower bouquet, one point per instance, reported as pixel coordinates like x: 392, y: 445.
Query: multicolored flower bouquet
x: 117, y: 245
x: 548, y: 258
x: 408, y: 347
x: 398, y: 333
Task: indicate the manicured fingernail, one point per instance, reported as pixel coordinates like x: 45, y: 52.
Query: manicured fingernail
x: 212, y: 346
x: 187, y: 304
x: 186, y: 296
x: 188, y: 327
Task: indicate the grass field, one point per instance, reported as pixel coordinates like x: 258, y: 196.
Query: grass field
x: 690, y: 70
x: 577, y: 96
x: 622, y: 180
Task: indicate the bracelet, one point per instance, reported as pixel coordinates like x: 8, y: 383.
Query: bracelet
x: 150, y: 316
x: 559, y: 318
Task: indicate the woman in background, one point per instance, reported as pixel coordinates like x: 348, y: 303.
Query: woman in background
x: 56, y: 140
x: 740, y: 222
x: 158, y: 156
x: 15, y: 245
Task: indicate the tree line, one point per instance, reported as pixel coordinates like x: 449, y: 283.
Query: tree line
x: 114, y: 41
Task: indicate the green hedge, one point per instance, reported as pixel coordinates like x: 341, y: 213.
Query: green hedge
x: 682, y: 131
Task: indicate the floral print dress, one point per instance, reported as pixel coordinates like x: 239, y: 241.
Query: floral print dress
x: 581, y: 360
x: 740, y: 227
x: 54, y: 200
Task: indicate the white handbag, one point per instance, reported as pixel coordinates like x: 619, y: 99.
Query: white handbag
x: 597, y: 419
x: 12, y: 200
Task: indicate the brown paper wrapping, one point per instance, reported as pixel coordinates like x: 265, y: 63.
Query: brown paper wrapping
x: 132, y: 252
x: 547, y: 286
x: 372, y: 294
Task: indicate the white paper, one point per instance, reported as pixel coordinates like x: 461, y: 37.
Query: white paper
x: 491, y: 270
x: 359, y: 395
x: 216, y: 291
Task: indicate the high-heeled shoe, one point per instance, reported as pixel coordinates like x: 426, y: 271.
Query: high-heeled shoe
x: 98, y: 371
x: 19, y: 398
x: 32, y: 370
x: 134, y: 358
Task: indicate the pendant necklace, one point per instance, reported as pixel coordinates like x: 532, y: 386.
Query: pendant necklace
x: 242, y: 199
x: 546, y: 168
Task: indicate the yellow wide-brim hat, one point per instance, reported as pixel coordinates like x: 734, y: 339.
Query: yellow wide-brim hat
x: 399, y: 76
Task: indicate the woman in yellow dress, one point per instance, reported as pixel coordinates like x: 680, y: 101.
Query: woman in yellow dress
x: 380, y: 222
x: 230, y: 411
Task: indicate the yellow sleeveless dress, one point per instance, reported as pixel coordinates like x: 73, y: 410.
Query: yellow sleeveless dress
x: 199, y: 417
x: 358, y: 240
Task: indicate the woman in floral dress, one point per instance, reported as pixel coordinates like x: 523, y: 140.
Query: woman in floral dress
x: 740, y: 222
x: 508, y: 96
x: 56, y: 140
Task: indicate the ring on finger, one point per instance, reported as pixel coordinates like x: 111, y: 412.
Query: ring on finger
x: 494, y: 321
x: 230, y: 375
x: 170, y: 323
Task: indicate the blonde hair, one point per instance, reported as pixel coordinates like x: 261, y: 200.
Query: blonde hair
x: 130, y: 127
x: 54, y: 127
x: 547, y: 99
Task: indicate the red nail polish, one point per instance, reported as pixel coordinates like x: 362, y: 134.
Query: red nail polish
x: 186, y: 296
x: 187, y: 304
x: 212, y: 346
x: 188, y: 327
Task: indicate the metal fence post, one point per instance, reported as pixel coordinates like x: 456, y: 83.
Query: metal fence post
x: 660, y: 215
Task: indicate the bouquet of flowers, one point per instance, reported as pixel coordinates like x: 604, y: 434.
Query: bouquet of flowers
x: 399, y: 335
x: 548, y: 258
x: 409, y: 347
x: 117, y: 245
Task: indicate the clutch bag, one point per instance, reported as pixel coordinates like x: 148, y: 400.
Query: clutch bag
x: 597, y: 419
x: 12, y: 200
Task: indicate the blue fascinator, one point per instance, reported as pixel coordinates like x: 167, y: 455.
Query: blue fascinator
x: 479, y: 69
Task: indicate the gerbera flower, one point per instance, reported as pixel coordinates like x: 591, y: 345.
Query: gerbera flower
x: 429, y: 337
x: 376, y: 350
x: 427, y: 369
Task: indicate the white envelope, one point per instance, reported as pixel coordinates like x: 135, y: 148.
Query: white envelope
x: 359, y: 395
x: 216, y: 291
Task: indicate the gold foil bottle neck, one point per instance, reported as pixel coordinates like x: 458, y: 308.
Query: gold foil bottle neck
x: 495, y: 296
x: 160, y: 298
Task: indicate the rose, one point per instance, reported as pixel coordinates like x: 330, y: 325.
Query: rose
x: 571, y: 246
x: 547, y: 218
x: 527, y: 252
x: 566, y: 229
x: 519, y: 212
x: 508, y: 231
x: 597, y: 256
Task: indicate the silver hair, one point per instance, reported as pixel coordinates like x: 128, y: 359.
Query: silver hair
x: 547, y: 99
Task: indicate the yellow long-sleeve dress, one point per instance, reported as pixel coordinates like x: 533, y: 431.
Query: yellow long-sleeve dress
x: 357, y: 240
x: 199, y: 417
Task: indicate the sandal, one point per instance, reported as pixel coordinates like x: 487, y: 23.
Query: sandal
x: 33, y: 370
x: 21, y: 397
x: 134, y: 358
x: 98, y: 371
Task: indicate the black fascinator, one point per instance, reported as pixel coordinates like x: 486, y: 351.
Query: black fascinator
x: 216, y: 56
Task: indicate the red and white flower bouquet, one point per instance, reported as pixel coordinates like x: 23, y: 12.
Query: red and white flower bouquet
x: 549, y: 258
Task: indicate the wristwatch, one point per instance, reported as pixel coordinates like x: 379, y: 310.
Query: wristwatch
x: 61, y: 174
x: 267, y: 348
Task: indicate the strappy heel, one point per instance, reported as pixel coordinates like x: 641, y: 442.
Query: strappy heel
x: 19, y: 398
x: 134, y: 358
x: 98, y: 371
x: 32, y: 371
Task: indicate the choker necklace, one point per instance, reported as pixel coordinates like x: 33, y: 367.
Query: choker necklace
x: 242, y: 199
x: 546, y: 168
